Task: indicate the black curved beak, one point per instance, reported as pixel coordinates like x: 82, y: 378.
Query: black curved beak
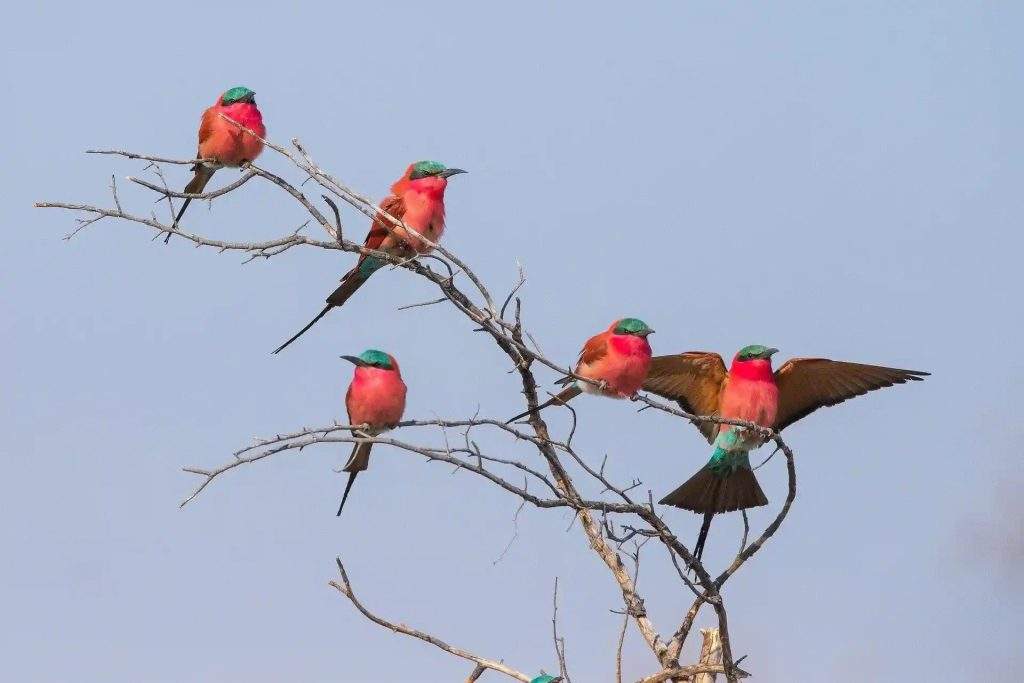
x: 649, y: 331
x: 449, y: 172
x: 771, y: 352
x: 356, y: 361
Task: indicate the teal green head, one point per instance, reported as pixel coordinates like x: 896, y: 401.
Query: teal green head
x: 633, y: 326
x: 428, y: 169
x: 238, y: 94
x: 372, y: 358
x: 756, y: 352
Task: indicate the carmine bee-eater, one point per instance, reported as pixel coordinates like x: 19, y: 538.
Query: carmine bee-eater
x: 750, y: 391
x: 376, y: 397
x: 619, y: 357
x: 222, y: 143
x: 416, y: 199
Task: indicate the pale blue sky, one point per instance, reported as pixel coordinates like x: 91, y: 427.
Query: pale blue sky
x: 836, y: 179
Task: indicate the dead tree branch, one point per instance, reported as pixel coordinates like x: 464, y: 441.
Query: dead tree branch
x: 503, y: 326
x: 344, y: 586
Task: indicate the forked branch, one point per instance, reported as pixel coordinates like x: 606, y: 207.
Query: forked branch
x: 555, y: 488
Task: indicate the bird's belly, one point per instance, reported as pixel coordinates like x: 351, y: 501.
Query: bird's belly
x: 431, y: 231
x: 425, y: 215
x: 623, y: 377
x: 752, y: 402
x: 753, y: 412
x: 231, y: 148
x: 376, y: 400
x: 381, y: 413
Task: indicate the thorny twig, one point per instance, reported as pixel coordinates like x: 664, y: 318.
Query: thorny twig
x: 524, y: 351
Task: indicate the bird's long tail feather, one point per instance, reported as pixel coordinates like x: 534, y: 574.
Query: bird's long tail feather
x: 357, y: 462
x: 725, y: 484
x: 352, y: 281
x: 561, y: 398
x: 698, y: 548
x: 301, y: 332
x: 195, y: 186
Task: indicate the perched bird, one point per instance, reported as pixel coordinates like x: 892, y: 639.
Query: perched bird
x: 619, y: 357
x: 417, y: 199
x: 221, y: 143
x: 375, y: 397
x: 750, y: 391
x: 545, y: 678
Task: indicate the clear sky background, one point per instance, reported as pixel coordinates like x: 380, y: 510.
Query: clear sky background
x: 834, y: 179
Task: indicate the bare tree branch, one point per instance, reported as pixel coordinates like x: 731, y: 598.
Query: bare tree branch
x: 345, y: 588
x: 556, y: 483
x: 559, y: 642
x: 246, y: 177
x: 687, y: 673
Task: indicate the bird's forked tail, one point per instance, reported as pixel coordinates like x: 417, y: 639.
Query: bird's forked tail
x: 725, y: 484
x: 357, y: 462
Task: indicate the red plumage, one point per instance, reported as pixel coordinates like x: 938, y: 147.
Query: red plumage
x: 224, y: 143
x: 376, y: 397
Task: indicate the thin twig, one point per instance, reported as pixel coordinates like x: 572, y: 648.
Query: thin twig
x: 523, y: 350
x: 559, y: 642
x: 167, y: 192
x: 345, y: 588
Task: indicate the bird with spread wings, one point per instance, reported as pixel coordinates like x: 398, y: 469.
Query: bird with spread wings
x: 749, y: 390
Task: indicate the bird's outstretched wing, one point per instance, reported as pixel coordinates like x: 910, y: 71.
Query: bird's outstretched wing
x: 694, y: 379
x: 806, y: 384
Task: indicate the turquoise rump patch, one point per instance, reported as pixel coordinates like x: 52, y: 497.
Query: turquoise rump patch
x: 725, y: 463
x: 730, y: 454
x: 370, y: 265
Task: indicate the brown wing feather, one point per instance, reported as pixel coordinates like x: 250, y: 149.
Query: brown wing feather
x: 806, y: 384
x: 379, y: 231
x: 694, y: 379
x: 206, y: 126
x: 375, y: 239
x: 594, y: 350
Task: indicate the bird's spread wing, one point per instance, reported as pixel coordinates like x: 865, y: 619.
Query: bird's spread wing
x: 806, y: 384
x: 694, y: 379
